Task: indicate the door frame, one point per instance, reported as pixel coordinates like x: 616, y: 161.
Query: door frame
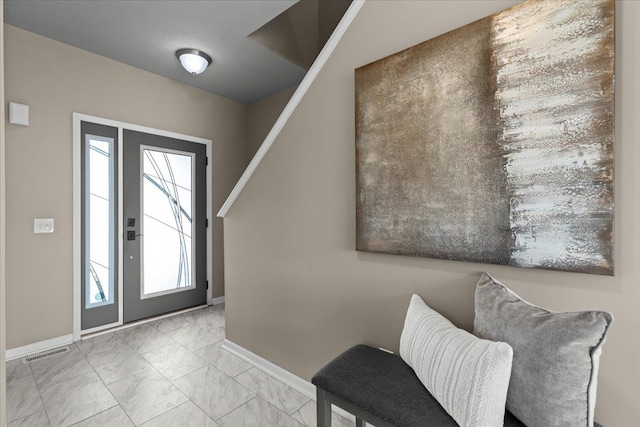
x: 77, y: 212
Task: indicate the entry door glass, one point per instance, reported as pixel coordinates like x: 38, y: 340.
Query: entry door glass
x: 167, y: 221
x: 100, y: 220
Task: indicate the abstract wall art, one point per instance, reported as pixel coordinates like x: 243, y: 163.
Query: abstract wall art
x: 493, y: 143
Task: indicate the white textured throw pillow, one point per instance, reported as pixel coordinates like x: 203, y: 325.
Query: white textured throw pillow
x: 468, y: 376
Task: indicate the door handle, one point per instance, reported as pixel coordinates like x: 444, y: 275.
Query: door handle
x: 131, y: 235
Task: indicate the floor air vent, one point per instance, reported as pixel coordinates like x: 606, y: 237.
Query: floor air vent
x: 45, y: 354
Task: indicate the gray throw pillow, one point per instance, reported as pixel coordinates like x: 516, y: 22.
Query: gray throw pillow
x: 555, y: 355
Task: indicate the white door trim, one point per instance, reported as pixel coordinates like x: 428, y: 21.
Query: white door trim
x: 77, y: 209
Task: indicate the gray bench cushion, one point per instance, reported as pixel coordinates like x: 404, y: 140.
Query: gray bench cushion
x: 384, y: 386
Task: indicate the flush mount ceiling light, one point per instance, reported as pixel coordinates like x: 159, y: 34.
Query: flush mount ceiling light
x: 193, y: 60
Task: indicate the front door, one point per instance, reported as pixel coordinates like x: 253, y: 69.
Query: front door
x: 164, y: 223
x: 140, y: 223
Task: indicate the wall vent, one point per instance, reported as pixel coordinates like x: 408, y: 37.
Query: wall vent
x: 45, y: 354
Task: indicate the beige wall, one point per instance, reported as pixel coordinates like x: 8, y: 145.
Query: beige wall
x: 261, y: 116
x: 297, y: 291
x: 56, y: 80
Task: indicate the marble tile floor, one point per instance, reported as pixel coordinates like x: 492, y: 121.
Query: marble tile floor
x: 168, y: 373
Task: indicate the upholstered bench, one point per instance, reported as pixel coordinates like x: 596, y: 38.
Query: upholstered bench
x: 381, y: 389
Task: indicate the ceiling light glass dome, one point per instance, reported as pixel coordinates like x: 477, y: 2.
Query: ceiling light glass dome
x: 193, y: 60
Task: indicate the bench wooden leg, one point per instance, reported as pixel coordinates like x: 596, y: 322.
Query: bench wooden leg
x: 324, y: 409
x: 359, y: 422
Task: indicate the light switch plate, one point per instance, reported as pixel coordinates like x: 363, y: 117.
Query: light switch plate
x: 18, y: 114
x: 43, y: 225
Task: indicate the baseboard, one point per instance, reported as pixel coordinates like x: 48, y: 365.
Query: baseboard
x: 282, y: 375
x: 216, y: 301
x: 38, y: 347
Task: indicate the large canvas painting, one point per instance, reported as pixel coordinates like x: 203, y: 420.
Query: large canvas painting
x: 493, y: 143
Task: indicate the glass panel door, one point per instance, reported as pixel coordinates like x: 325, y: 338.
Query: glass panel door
x: 164, y: 213
x: 99, y: 240
x: 167, y: 221
x: 143, y: 227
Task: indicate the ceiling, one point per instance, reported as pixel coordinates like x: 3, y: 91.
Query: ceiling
x: 146, y: 33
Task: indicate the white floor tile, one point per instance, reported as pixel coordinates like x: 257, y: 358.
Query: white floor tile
x: 258, y: 413
x: 213, y: 391
x: 75, y: 399
x: 273, y: 391
x: 23, y: 398
x: 100, y: 344
x: 16, y: 369
x: 174, y: 361
x: 193, y: 337
x: 60, y: 367
x: 169, y: 323
x: 185, y: 415
x: 144, y: 397
x: 172, y: 372
x: 39, y: 419
x: 228, y: 363
x: 114, y: 417
x: 144, y: 338
x: 119, y: 363
x: 209, y: 320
